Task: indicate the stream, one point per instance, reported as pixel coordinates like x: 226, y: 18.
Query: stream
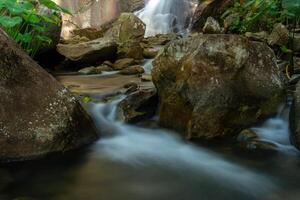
x: 136, y: 162
x: 141, y: 162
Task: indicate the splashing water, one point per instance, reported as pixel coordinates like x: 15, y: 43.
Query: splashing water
x: 166, y: 16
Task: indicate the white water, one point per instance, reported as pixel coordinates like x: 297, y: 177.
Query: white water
x: 140, y: 147
x: 166, y: 16
x: 276, y: 131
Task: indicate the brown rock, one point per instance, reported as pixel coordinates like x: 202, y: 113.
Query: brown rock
x: 150, y: 53
x: 138, y: 106
x: 90, y: 52
x: 38, y: 115
x: 129, y: 32
x: 210, y: 86
x: 132, y: 70
x: 90, y: 33
x: 123, y: 63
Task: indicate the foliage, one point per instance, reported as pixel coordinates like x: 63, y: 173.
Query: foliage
x: 258, y: 15
x: 26, y: 24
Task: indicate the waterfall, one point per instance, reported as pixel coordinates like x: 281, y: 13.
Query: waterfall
x: 166, y: 16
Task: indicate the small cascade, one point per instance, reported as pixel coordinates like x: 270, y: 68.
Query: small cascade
x: 142, y: 147
x: 166, y: 16
x: 277, y: 132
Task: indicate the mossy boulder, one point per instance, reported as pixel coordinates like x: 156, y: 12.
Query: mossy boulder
x: 212, y: 86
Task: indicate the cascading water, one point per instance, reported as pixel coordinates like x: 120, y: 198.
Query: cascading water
x: 141, y: 147
x: 166, y: 16
x: 276, y: 131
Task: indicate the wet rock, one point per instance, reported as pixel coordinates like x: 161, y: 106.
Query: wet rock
x: 38, y: 115
x: 89, y: 71
x: 210, y: 86
x: 247, y: 135
x: 132, y: 70
x: 89, y: 52
x: 249, y: 140
x: 131, y: 87
x: 211, y: 26
x: 104, y: 68
x: 129, y: 32
x: 138, y: 106
x: 208, y: 8
x: 150, y: 53
x: 123, y: 63
x: 259, y: 36
x: 279, y: 35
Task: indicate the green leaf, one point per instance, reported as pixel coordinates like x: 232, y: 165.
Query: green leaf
x: 53, y: 6
x: 10, y: 22
x: 85, y: 99
x: 292, y: 6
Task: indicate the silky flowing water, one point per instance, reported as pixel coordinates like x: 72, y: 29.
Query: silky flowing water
x: 144, y: 162
x: 136, y: 162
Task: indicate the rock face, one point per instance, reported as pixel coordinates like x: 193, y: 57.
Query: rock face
x: 128, y: 31
x: 89, y: 52
x: 211, y: 86
x: 38, y: 116
x: 208, y: 8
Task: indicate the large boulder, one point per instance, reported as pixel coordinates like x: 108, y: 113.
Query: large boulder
x: 212, y: 86
x: 128, y: 31
x: 90, y: 52
x: 208, y: 8
x: 38, y: 115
